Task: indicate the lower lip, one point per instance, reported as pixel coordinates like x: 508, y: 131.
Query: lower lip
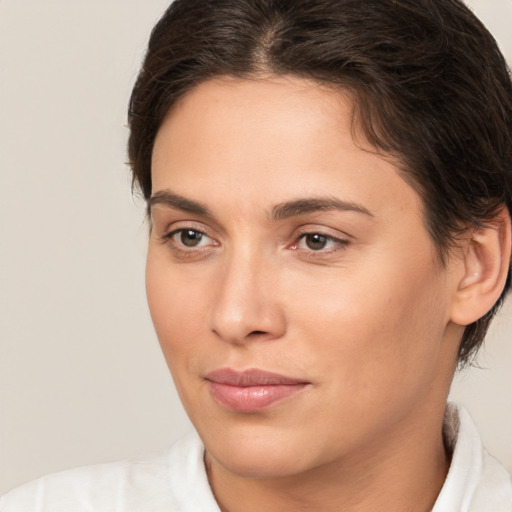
x: 252, y: 398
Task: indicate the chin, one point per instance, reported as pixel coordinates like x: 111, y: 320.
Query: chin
x: 260, y: 465
x: 259, y: 454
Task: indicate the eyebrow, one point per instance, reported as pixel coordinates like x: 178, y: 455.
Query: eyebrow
x: 315, y: 204
x: 171, y: 200
x: 280, y: 211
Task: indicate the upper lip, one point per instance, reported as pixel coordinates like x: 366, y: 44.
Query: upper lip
x: 251, y: 377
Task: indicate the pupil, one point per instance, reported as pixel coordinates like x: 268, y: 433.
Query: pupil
x: 190, y: 238
x: 316, y: 242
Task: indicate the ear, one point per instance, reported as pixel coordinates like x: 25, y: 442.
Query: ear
x: 485, y: 265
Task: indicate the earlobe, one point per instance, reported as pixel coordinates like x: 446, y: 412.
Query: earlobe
x: 486, y: 263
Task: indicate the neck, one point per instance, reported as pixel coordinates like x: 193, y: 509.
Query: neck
x: 403, y: 470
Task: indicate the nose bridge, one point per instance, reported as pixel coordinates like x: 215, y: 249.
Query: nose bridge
x: 244, y: 306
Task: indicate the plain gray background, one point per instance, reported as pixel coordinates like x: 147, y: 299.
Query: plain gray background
x: 81, y: 375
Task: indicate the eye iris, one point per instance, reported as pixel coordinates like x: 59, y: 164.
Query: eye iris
x: 190, y: 238
x: 316, y: 241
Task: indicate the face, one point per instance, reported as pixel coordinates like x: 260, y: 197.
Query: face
x: 296, y: 294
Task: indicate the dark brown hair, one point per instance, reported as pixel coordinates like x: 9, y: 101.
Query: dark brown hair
x: 430, y: 87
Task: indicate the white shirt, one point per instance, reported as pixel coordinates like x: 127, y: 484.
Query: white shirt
x: 176, y: 481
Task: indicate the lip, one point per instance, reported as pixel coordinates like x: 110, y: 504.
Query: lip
x: 251, y: 390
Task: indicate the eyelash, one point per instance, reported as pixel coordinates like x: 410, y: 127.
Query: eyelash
x: 181, y: 249
x: 340, y: 244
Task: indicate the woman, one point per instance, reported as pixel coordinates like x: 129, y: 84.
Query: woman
x: 328, y: 185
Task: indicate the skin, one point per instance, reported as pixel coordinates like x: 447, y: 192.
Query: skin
x: 365, y: 318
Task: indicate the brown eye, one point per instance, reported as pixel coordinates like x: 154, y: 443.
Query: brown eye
x: 315, y: 241
x: 190, y: 237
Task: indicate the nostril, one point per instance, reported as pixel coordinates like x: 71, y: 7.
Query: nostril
x: 257, y: 333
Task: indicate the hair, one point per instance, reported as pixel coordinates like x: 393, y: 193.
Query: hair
x: 429, y: 83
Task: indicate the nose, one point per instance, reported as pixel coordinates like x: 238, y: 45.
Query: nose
x: 246, y: 306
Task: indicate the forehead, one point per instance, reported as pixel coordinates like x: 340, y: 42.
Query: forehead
x: 283, y: 136
x: 282, y: 105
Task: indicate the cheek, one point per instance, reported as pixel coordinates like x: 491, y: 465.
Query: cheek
x: 373, y: 353
x: 375, y: 327
x: 176, y: 307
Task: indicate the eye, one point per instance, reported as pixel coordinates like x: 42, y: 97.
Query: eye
x: 187, y: 238
x: 190, y: 237
x: 315, y: 241
x: 319, y: 242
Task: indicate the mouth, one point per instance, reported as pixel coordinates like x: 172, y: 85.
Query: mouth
x: 251, y: 390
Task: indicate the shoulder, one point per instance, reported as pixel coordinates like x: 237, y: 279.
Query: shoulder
x: 171, y: 480
x: 476, y: 481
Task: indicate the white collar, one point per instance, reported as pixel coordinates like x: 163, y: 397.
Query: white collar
x: 476, y: 481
